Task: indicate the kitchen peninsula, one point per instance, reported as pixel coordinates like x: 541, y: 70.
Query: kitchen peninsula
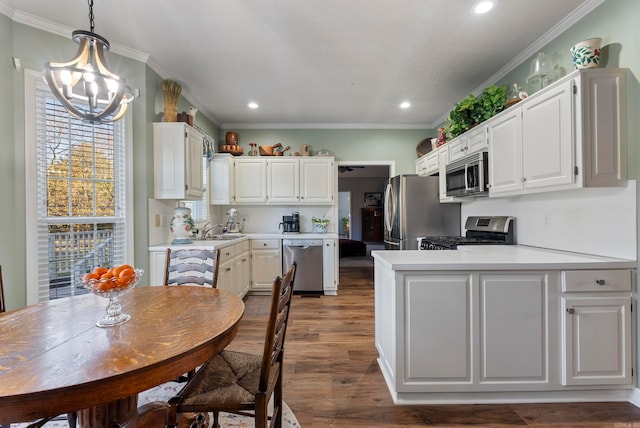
x: 503, y: 323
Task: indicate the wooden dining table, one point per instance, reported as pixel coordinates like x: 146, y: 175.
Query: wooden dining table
x: 55, y: 360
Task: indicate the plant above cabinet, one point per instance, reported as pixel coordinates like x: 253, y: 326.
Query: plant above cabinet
x: 473, y: 110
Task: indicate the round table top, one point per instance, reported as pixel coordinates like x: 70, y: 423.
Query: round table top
x: 55, y: 360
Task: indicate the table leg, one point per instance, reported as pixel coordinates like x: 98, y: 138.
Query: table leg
x: 124, y: 413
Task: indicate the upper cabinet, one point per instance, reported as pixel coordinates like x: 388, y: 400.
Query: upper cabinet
x: 428, y: 164
x: 177, y: 161
x: 470, y: 142
x: 272, y: 180
x: 571, y: 134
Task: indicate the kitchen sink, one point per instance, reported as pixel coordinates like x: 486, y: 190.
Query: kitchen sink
x: 224, y: 237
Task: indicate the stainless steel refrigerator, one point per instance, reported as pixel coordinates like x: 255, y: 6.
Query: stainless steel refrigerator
x: 412, y: 209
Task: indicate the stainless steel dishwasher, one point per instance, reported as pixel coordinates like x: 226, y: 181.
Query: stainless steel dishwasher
x: 307, y: 253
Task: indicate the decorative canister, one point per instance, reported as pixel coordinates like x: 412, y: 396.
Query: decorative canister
x: 586, y: 54
x: 181, y: 225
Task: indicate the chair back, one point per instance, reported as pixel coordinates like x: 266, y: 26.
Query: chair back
x: 2, y: 307
x: 277, y: 326
x: 192, y: 267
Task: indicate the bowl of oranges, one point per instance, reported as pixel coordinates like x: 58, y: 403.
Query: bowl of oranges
x: 112, y: 282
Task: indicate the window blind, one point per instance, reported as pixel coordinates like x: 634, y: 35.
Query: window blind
x: 81, y: 197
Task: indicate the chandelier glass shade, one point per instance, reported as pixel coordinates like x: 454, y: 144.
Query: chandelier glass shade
x: 84, y: 85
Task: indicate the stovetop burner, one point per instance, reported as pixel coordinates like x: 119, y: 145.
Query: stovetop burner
x: 480, y: 231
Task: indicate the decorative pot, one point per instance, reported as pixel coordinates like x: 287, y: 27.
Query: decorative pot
x: 192, y: 115
x: 586, y: 54
x: 182, y: 225
x: 231, y: 138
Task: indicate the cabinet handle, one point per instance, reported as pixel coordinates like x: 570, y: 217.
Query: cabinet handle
x: 523, y: 179
x: 571, y: 311
x: 227, y: 254
x: 600, y: 281
x: 264, y: 244
x: 228, y: 269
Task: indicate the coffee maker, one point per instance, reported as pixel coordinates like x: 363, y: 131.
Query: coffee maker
x: 290, y: 223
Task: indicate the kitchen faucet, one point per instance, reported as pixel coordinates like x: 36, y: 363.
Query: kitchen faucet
x: 206, y: 230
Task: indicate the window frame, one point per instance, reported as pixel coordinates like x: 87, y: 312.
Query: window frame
x: 32, y: 83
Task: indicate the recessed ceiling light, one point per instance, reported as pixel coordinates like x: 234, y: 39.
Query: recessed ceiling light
x: 252, y: 105
x: 405, y: 104
x: 483, y: 7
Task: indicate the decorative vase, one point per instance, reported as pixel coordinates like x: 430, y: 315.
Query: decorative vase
x: 171, y: 92
x: 192, y: 115
x: 586, y: 54
x: 182, y: 225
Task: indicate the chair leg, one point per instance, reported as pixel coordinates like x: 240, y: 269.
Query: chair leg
x: 72, y: 419
x: 262, y: 411
x: 216, y: 422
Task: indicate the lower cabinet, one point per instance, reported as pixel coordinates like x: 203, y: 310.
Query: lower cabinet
x: 227, y: 269
x: 157, y: 260
x: 330, y: 266
x: 266, y: 263
x: 596, y: 326
x: 440, y: 334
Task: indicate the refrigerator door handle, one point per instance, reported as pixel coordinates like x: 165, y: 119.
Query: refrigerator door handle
x: 389, y: 208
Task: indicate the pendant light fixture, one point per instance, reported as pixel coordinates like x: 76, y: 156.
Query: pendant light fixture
x: 84, y: 85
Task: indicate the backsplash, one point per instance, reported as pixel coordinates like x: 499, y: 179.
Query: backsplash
x: 599, y: 221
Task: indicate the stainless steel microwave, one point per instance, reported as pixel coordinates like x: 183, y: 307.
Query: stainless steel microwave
x: 468, y: 176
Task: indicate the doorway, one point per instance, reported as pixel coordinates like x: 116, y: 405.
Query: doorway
x: 360, y: 183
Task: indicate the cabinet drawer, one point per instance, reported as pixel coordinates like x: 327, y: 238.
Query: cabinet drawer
x: 265, y: 244
x: 242, y: 247
x: 227, y: 253
x: 596, y: 280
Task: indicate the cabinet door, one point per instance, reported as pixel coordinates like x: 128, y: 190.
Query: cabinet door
x: 514, y: 329
x: 456, y: 148
x: 283, y: 180
x: 243, y: 273
x: 505, y: 154
x: 227, y: 276
x: 316, y: 181
x: 476, y: 140
x: 329, y: 266
x: 548, y: 154
x: 221, y: 180
x: 436, y: 300
x: 266, y: 263
x: 250, y: 180
x: 157, y: 260
x: 443, y: 159
x: 428, y: 164
x: 194, y: 187
x: 597, y: 341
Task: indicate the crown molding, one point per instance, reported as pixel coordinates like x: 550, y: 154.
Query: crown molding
x: 562, y: 25
x: 323, y: 126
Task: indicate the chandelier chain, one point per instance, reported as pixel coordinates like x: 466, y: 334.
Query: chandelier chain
x: 91, y: 24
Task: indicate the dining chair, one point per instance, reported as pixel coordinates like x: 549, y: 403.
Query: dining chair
x: 2, y: 306
x: 192, y: 267
x: 242, y: 383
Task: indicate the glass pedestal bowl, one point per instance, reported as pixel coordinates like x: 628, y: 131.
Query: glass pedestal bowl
x: 112, y: 289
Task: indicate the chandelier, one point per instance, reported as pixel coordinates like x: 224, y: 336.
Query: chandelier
x: 84, y: 85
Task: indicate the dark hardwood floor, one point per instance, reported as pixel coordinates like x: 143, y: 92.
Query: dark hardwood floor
x: 332, y: 378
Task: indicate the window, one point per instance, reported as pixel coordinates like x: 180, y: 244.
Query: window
x: 77, y: 195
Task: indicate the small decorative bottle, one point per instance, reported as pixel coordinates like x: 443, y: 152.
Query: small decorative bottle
x: 182, y: 225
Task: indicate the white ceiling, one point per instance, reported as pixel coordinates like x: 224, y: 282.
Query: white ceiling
x: 316, y: 63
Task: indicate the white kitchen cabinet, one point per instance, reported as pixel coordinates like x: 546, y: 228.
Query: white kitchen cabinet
x: 227, y: 269
x: 266, y: 263
x: 514, y: 322
x: 443, y: 159
x: 250, y: 178
x: 316, y: 180
x: 177, y: 154
x: 472, y: 141
x: 428, y: 164
x: 571, y: 134
x: 157, y: 261
x: 330, y: 266
x: 596, y: 345
x: 243, y: 268
x: 221, y: 179
x: 283, y: 180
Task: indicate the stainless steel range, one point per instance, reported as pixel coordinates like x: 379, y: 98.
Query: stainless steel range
x: 491, y: 230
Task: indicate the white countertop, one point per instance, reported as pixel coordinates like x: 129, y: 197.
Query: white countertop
x: 215, y: 244
x: 496, y: 257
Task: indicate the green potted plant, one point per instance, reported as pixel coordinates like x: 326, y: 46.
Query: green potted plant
x: 463, y: 116
x: 491, y: 102
x: 320, y: 224
x: 345, y: 225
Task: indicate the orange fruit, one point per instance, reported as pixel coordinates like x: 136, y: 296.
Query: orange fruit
x: 127, y: 272
x: 100, y: 270
x: 116, y: 270
x: 91, y: 276
x: 126, y: 266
